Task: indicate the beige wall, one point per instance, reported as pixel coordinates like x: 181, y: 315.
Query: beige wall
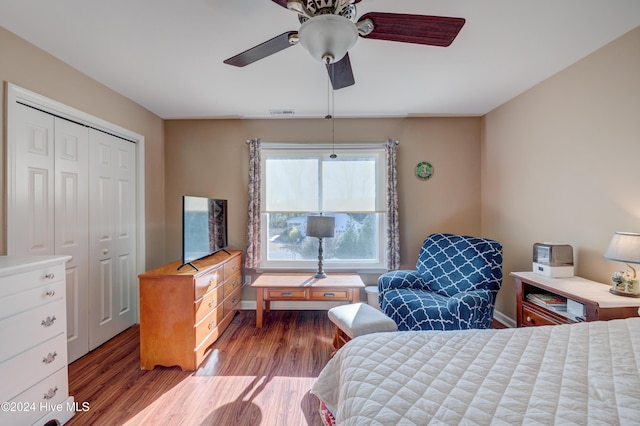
x: 27, y: 66
x: 561, y: 163
x: 210, y: 157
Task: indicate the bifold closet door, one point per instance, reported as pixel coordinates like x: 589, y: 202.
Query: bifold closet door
x: 49, y: 212
x: 71, y: 234
x: 112, y: 188
x: 74, y: 192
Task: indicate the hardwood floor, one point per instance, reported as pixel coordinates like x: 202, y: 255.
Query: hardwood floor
x: 251, y: 377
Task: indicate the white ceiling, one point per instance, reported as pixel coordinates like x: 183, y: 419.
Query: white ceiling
x: 167, y: 55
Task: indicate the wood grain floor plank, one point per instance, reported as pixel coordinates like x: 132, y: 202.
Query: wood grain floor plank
x: 251, y: 377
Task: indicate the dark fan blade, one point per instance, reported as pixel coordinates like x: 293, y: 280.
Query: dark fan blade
x: 340, y: 73
x: 282, y: 3
x: 262, y: 50
x: 420, y: 29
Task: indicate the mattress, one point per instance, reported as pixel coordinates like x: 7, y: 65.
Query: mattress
x: 582, y: 374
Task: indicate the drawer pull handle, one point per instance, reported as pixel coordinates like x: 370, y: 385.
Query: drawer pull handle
x: 286, y: 294
x: 50, y: 358
x: 329, y: 295
x: 211, y: 302
x: 50, y: 293
x: 50, y: 276
x: 51, y: 393
x: 48, y: 322
x: 211, y: 323
x: 233, y: 283
x: 233, y: 299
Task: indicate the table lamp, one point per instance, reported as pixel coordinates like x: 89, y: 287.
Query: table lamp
x: 320, y: 227
x: 625, y: 247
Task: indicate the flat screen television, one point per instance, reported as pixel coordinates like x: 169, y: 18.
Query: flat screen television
x: 204, y: 228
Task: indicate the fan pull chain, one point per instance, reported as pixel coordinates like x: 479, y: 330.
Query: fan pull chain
x: 333, y: 112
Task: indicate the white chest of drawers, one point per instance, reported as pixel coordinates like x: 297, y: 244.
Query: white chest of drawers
x: 33, y: 335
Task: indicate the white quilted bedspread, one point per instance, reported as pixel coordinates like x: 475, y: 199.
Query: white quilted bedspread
x: 582, y: 374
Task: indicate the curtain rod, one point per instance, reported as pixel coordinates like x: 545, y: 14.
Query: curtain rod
x: 321, y: 143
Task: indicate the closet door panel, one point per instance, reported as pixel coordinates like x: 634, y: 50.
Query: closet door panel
x: 72, y: 227
x: 125, y: 230
x: 112, y: 213
x: 31, y: 229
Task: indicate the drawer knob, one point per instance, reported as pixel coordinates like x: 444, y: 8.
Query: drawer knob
x: 233, y: 299
x: 48, y: 322
x: 211, y: 323
x: 211, y: 302
x: 50, y: 293
x: 51, y: 393
x: 50, y: 276
x: 50, y: 358
x: 233, y: 283
x: 529, y: 319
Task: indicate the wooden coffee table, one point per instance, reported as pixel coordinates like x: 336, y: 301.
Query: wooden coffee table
x: 303, y: 286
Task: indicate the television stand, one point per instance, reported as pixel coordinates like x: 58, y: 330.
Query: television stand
x: 182, y: 313
x: 190, y: 264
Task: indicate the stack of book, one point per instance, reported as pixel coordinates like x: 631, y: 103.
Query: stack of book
x: 548, y: 300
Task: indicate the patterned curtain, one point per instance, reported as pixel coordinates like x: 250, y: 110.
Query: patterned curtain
x: 393, y: 223
x: 253, y: 256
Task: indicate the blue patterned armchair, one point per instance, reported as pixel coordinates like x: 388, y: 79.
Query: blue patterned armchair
x: 453, y: 287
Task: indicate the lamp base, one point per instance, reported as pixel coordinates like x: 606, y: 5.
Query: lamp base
x: 621, y: 293
x: 320, y: 275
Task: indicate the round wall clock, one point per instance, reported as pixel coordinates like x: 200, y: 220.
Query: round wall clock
x: 424, y: 170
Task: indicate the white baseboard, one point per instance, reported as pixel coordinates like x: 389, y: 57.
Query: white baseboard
x: 250, y: 305
x: 499, y: 316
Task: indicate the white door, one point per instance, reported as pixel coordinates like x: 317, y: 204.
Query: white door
x: 30, y: 223
x: 112, y: 183
x: 72, y: 227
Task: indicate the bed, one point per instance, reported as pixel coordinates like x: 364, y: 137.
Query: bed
x: 586, y: 373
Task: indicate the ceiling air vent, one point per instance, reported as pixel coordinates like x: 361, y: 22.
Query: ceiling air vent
x: 282, y: 113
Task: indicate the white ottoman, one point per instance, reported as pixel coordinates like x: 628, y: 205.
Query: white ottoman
x: 356, y: 319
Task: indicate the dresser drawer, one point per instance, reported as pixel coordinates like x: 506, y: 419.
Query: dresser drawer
x: 31, y: 279
x: 232, y: 266
x: 20, y: 302
x: 32, y: 366
x: 208, y: 282
x: 231, y: 284
x: 232, y: 302
x: 38, y: 400
x: 532, y: 318
x: 32, y: 327
x: 280, y: 294
x: 329, y: 295
x: 208, y: 323
x: 208, y: 302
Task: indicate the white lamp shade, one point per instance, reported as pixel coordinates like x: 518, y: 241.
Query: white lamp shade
x: 320, y: 226
x: 328, y: 36
x: 624, y: 247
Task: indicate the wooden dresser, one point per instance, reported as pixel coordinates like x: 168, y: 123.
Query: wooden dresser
x: 33, y: 332
x: 594, y: 298
x: 182, y: 312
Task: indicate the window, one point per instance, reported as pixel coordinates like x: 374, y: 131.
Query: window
x: 301, y: 180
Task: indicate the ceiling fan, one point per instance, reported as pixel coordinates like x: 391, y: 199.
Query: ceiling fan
x: 329, y: 28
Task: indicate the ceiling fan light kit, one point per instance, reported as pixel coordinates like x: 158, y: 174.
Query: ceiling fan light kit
x: 328, y: 37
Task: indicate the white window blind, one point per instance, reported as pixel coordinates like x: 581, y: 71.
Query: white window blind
x: 307, y: 180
